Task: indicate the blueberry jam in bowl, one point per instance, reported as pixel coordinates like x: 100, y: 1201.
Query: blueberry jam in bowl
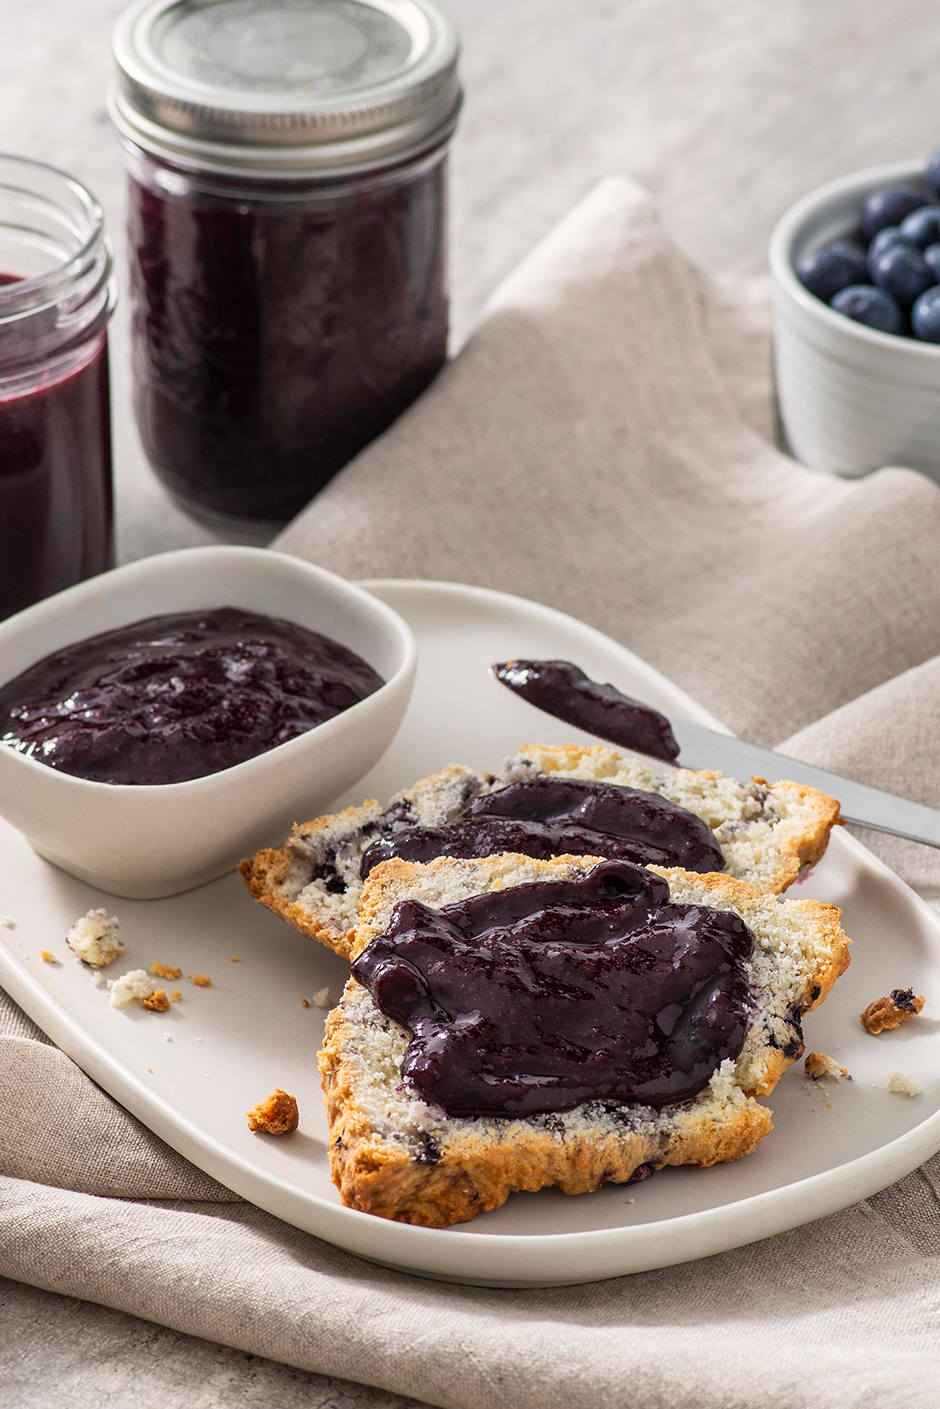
x: 219, y: 694
x: 856, y: 312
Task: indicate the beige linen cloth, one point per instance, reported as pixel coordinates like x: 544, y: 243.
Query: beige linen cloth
x: 603, y: 443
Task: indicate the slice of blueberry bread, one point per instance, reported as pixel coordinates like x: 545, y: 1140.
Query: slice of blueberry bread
x: 401, y: 1142
x: 546, y: 802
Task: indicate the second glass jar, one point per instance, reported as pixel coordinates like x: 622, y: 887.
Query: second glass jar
x: 277, y: 331
x: 288, y: 241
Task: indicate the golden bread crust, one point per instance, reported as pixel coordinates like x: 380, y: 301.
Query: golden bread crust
x: 266, y: 872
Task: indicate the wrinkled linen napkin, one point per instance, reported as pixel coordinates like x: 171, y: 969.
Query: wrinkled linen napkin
x: 604, y: 444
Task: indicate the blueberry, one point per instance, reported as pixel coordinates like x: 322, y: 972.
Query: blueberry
x: 890, y: 235
x: 903, y: 273
x: 925, y: 316
x: 832, y: 268
x: 932, y: 259
x: 922, y: 227
x: 889, y: 205
x: 870, y: 306
x: 932, y: 174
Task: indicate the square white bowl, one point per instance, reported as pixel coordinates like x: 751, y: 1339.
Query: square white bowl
x: 155, y: 840
x: 851, y: 398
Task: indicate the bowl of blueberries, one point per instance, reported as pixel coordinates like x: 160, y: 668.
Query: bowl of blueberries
x: 855, y: 267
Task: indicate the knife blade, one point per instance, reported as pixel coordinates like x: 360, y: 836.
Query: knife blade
x: 867, y: 807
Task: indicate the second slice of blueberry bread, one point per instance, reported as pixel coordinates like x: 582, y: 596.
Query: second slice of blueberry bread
x: 764, y: 833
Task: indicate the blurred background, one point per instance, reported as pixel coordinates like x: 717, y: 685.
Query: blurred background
x: 727, y: 112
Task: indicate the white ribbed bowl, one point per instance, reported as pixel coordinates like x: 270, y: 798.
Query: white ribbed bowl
x: 851, y: 399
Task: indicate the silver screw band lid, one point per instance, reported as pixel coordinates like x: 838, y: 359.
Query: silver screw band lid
x: 285, y: 87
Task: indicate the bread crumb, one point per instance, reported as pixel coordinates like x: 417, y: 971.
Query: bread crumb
x: 7, y: 922
x: 891, y: 1012
x: 202, y: 980
x: 97, y: 977
x: 631, y: 1201
x: 819, y: 1067
x: 234, y: 959
x: 304, y: 1003
x: 136, y: 983
x: 175, y: 996
x: 156, y: 1002
x: 150, y: 1069
x: 902, y: 1085
x: 321, y: 998
x: 47, y: 956
x: 277, y: 1115
x: 165, y: 971
x: 94, y: 939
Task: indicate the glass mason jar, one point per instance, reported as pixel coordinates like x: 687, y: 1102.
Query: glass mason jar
x: 287, y: 236
x: 57, y: 294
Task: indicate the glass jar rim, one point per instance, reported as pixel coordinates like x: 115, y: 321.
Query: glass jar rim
x: 19, y: 294
x: 43, y: 314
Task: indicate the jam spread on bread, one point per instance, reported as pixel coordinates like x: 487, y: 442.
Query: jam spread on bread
x: 563, y: 689
x: 179, y: 696
x: 553, y: 816
x: 540, y: 997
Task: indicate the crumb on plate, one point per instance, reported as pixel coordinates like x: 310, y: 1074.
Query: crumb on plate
x: 891, y: 1012
x: 277, y: 1115
x: 156, y: 1002
x: 234, y: 959
x: 94, y: 938
x: 202, y: 980
x: 47, y: 956
x: 175, y: 996
x: 819, y: 1067
x: 902, y: 1084
x: 165, y: 970
x: 7, y: 922
x: 304, y: 1003
x: 97, y: 977
x: 321, y: 998
x: 136, y: 983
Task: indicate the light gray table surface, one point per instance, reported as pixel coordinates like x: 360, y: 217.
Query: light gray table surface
x: 727, y: 109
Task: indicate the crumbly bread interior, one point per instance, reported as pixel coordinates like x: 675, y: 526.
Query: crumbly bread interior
x: 767, y: 832
x: 393, y: 1155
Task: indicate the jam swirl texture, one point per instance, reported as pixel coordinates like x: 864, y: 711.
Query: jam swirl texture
x: 540, y: 997
x: 549, y: 816
x: 176, y: 697
x: 560, y: 688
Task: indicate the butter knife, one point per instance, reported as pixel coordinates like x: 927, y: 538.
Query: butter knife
x: 867, y: 807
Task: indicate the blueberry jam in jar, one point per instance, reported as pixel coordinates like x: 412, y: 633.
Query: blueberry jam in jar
x: 56, y: 297
x: 287, y: 237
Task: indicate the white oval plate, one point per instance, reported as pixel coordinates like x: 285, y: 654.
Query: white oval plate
x: 234, y: 1042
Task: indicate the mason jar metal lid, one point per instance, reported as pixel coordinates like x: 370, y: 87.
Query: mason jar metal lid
x: 285, y: 87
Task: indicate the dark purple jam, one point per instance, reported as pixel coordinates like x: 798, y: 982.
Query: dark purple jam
x: 55, y: 481
x: 544, y: 996
x: 545, y: 817
x: 563, y: 689
x: 179, y: 696
x: 275, y: 337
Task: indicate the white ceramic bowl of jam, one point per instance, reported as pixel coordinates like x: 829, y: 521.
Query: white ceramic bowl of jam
x: 147, y: 840
x: 851, y: 398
